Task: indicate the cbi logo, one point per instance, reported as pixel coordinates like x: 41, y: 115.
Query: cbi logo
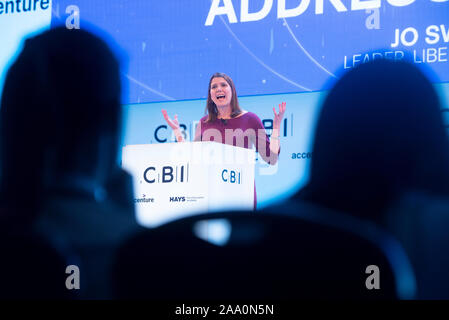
x: 163, y: 134
x: 163, y: 138
x: 167, y: 174
x: 231, y: 176
x: 268, y: 125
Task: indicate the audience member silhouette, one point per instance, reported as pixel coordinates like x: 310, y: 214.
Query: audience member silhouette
x: 60, y: 131
x: 380, y: 133
x: 381, y: 153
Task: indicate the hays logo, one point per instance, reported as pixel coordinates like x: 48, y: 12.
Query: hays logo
x: 177, y: 199
x: 167, y: 174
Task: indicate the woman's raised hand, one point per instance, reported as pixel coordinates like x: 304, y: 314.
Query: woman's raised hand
x: 174, y: 124
x: 278, y: 116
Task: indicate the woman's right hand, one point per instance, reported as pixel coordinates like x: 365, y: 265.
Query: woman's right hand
x: 174, y: 124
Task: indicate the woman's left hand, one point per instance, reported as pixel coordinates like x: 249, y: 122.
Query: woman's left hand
x: 278, y: 116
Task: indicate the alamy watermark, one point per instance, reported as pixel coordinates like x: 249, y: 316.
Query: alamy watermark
x: 73, y: 280
x: 373, y: 280
x: 73, y: 20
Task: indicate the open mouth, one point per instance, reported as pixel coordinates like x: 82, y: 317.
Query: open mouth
x: 221, y: 97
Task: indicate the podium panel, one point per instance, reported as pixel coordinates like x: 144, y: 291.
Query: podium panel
x: 173, y: 180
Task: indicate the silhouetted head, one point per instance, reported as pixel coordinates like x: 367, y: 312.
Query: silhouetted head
x: 211, y: 107
x: 379, y: 133
x: 60, y: 113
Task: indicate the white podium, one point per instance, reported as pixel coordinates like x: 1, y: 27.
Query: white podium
x: 173, y: 180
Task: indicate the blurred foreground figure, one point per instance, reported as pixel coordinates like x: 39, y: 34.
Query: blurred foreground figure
x: 60, y: 129
x: 274, y: 255
x: 381, y: 149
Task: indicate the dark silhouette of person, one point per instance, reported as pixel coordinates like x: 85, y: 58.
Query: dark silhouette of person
x: 60, y: 130
x: 381, y: 153
x: 380, y: 132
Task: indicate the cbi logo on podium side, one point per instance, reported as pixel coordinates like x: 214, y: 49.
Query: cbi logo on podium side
x: 231, y: 176
x: 167, y: 174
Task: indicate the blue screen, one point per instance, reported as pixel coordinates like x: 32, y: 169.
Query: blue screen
x: 174, y: 46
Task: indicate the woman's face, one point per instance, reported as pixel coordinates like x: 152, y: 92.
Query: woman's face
x: 220, y: 92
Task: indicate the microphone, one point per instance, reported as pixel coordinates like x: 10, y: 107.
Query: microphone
x: 224, y: 121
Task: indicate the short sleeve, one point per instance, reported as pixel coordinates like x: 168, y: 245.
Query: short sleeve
x: 262, y: 142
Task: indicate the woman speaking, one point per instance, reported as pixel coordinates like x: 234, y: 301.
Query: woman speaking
x: 226, y: 122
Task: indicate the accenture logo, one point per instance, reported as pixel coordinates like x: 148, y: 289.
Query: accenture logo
x: 302, y: 155
x: 143, y: 200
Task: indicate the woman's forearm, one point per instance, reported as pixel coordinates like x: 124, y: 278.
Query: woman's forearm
x: 178, y: 134
x: 274, y: 142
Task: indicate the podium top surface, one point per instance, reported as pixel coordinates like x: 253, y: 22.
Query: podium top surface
x: 204, y: 152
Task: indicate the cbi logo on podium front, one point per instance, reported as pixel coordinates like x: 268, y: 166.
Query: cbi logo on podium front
x: 167, y: 174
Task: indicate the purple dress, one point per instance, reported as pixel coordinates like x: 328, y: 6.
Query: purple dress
x: 245, y: 131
